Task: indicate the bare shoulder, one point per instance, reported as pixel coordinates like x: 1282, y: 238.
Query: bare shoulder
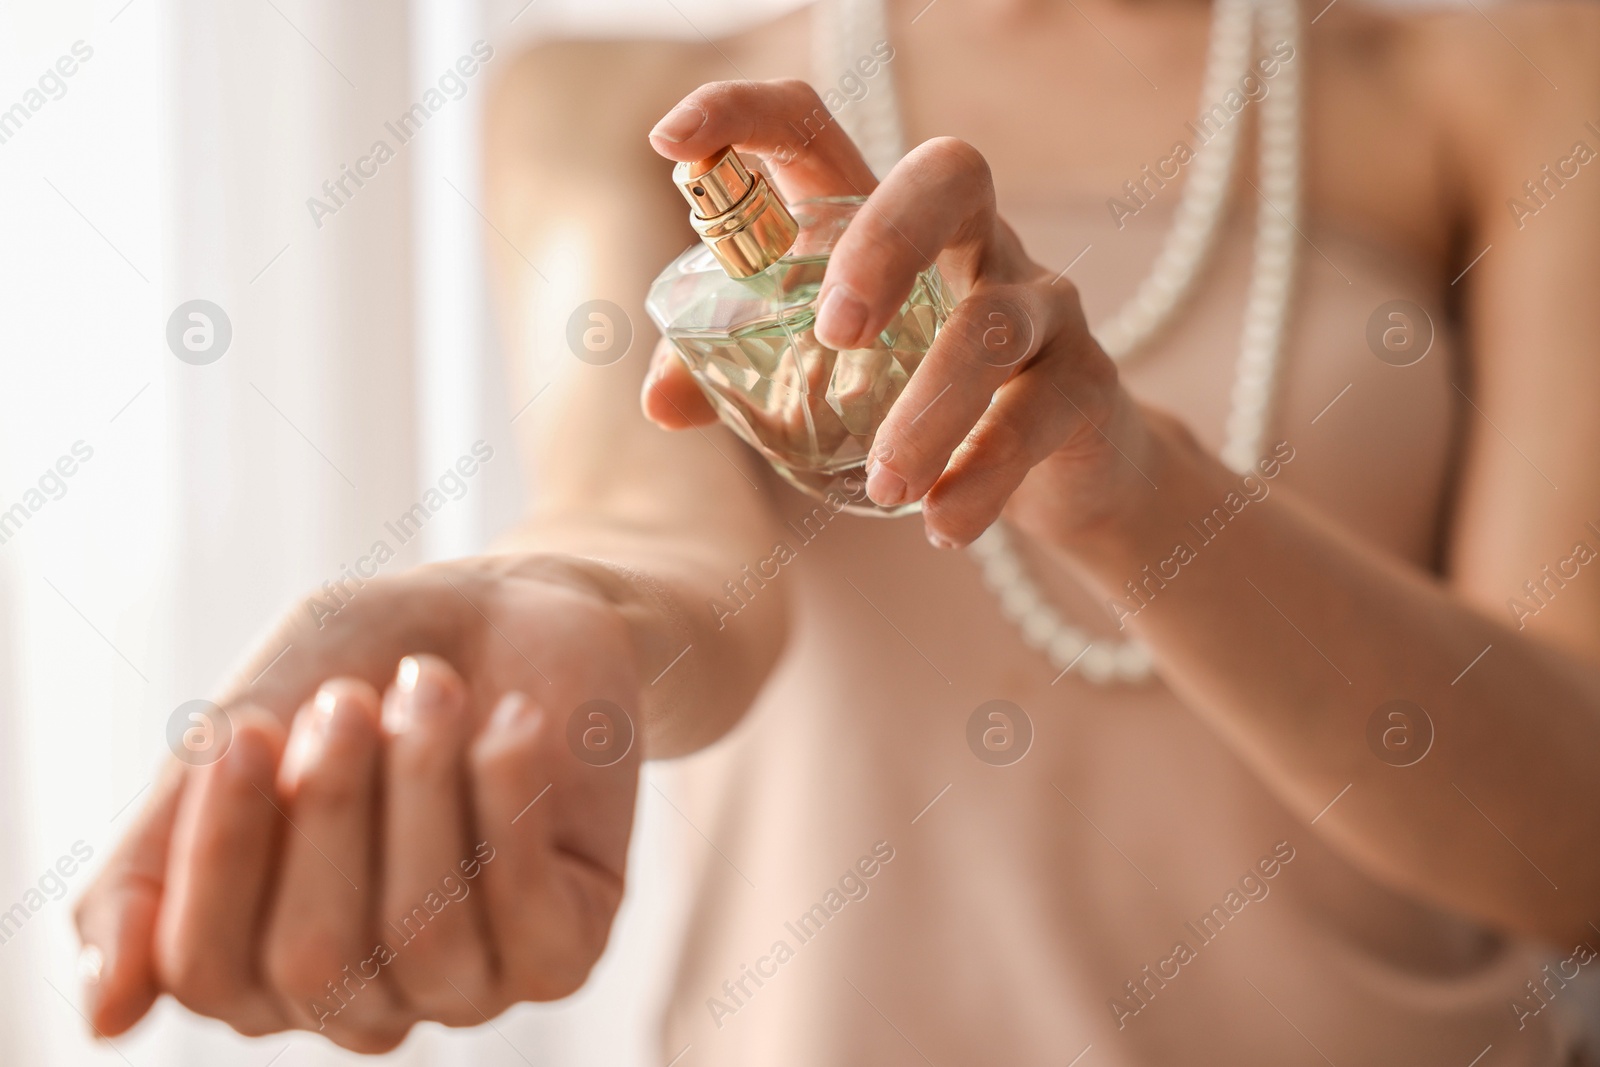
x: 1511, y: 82
x: 1472, y: 62
x: 588, y: 104
x: 1494, y: 47
x: 1429, y: 117
x: 602, y: 96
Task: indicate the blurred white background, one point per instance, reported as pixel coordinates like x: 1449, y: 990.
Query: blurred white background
x: 175, y: 164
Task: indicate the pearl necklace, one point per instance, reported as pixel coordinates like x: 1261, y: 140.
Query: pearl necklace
x: 1203, y: 203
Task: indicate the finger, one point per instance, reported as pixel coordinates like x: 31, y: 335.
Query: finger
x: 223, y: 849
x: 553, y: 844
x: 1061, y: 399
x: 441, y: 964
x: 671, y: 399
x: 784, y: 121
x: 989, y: 338
x: 116, y: 917
x: 318, y: 946
x: 937, y: 202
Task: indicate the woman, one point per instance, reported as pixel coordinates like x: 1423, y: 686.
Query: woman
x: 1351, y: 818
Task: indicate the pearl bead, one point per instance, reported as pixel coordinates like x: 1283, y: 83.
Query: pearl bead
x: 1065, y: 646
x: 1018, y: 598
x: 1202, y: 204
x: 1098, y: 665
x: 1133, y: 662
x: 1038, y: 625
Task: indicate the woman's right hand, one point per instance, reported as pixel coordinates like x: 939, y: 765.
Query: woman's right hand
x: 444, y: 767
x: 1037, y: 424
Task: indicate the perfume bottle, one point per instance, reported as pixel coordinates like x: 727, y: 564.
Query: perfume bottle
x: 739, y: 309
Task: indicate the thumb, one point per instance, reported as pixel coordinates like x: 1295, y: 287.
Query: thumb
x: 116, y: 916
x: 671, y: 399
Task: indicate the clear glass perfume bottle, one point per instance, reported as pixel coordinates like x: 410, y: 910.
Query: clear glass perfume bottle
x: 739, y: 309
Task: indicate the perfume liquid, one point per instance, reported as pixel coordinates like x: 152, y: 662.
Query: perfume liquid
x: 810, y: 410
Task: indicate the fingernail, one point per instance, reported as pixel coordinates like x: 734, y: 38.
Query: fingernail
x: 679, y: 124
x: 884, y: 486
x: 325, y: 702
x: 652, y: 377
x: 406, y: 677
x: 91, y: 965
x: 840, y: 318
x: 338, y: 714
x: 307, y: 734
x: 507, y: 712
x: 414, y: 692
x: 939, y: 542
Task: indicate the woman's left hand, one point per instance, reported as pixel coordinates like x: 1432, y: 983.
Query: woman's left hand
x: 1015, y: 408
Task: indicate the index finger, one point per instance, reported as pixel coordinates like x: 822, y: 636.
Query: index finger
x: 784, y: 121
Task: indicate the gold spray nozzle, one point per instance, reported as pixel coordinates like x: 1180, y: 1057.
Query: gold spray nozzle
x: 738, y: 215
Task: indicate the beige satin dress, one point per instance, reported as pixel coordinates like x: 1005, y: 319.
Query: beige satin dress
x: 869, y: 891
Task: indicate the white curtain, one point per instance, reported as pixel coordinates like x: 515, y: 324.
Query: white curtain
x: 175, y: 164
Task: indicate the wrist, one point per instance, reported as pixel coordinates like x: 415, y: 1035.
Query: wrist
x: 606, y: 589
x: 646, y: 628
x: 696, y: 673
x: 1194, y: 497
x: 1162, y: 468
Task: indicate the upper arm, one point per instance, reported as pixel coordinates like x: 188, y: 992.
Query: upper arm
x: 580, y: 209
x: 1530, y: 489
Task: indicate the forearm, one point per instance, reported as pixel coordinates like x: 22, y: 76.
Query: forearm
x: 1287, y: 634
x: 653, y: 522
